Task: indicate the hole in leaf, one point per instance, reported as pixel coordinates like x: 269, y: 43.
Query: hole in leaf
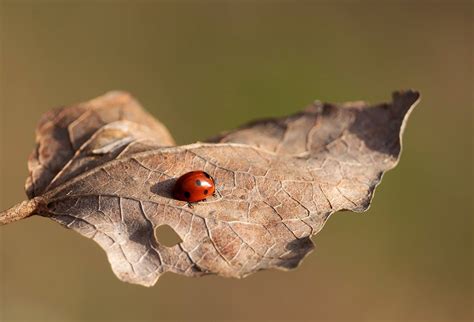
x: 165, y: 235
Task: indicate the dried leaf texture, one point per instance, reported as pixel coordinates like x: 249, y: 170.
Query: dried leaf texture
x: 71, y: 140
x: 106, y: 169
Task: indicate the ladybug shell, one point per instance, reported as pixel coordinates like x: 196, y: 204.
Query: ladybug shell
x: 194, y: 186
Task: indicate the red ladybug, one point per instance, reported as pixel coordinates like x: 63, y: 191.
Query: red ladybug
x: 194, y: 186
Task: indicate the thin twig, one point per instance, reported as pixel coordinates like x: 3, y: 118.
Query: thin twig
x: 22, y: 210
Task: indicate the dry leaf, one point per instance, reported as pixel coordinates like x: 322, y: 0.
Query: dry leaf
x: 106, y: 169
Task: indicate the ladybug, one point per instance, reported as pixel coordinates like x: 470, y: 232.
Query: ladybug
x: 194, y: 186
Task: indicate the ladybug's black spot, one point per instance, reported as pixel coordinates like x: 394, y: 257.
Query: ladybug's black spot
x: 187, y: 194
x: 205, y: 192
x: 198, y: 183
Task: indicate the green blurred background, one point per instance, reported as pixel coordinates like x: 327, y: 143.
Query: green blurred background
x: 203, y: 67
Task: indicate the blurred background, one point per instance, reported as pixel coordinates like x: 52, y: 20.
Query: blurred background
x: 208, y: 66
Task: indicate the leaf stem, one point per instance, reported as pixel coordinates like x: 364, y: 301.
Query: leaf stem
x: 22, y: 210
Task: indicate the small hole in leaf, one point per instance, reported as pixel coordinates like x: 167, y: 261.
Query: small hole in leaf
x: 165, y: 235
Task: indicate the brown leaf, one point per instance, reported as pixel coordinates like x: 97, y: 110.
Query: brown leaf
x: 108, y: 122
x: 106, y: 169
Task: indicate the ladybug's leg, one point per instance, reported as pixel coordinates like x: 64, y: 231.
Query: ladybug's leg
x: 216, y: 191
x: 190, y: 205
